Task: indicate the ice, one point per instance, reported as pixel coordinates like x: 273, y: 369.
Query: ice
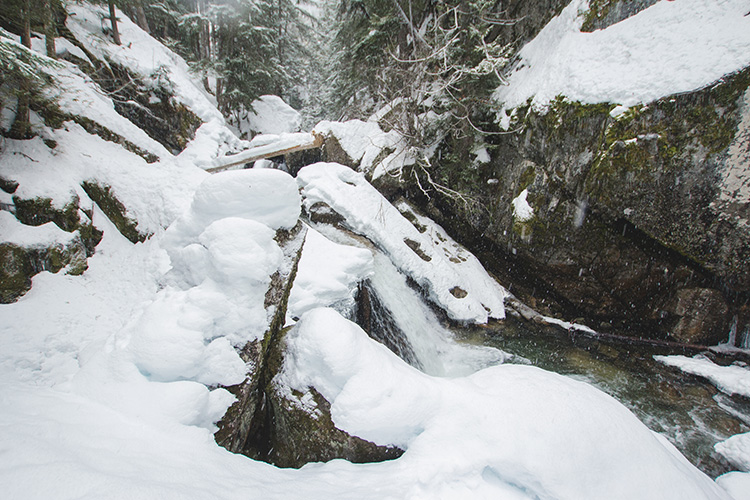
x: 452, y: 276
x: 668, y: 48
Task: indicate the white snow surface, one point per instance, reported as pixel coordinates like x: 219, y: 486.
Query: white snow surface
x: 733, y: 379
x: 736, y: 449
x: 364, y: 142
x: 448, y: 266
x: 509, y: 445
x: 522, y: 211
x: 670, y: 47
x: 327, y: 275
x: 270, y: 115
x: 13, y: 232
x: 737, y: 484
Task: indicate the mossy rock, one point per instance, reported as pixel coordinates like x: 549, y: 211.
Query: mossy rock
x: 105, y: 198
x: 38, y: 211
x: 15, y: 272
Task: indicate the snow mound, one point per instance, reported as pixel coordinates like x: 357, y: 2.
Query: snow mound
x: 270, y: 115
x: 522, y: 211
x: 736, y: 449
x: 263, y: 195
x: 733, y: 379
x: 526, y: 427
x: 327, y: 275
x: 454, y: 279
x: 668, y: 48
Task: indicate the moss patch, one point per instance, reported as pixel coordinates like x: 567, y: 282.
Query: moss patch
x: 15, y: 273
x: 114, y: 210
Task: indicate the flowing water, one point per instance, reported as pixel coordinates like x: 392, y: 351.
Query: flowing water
x: 689, y: 411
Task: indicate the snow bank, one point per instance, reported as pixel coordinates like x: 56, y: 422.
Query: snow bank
x: 733, y: 379
x: 453, y: 277
x: 737, y: 484
x: 668, y: 48
x: 270, y: 115
x: 505, y: 432
x: 327, y: 275
x: 364, y: 142
x: 140, y: 53
x: 736, y: 449
x: 13, y: 232
x: 154, y: 194
x: 264, y: 195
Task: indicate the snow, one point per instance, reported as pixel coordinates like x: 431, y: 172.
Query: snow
x: 327, y: 275
x: 46, y: 235
x: 265, y: 145
x: 668, y: 48
x: 737, y: 484
x: 270, y: 115
x: 264, y: 195
x: 140, y: 53
x: 733, y: 379
x: 154, y: 194
x: 515, y: 443
x: 522, y: 211
x: 364, y: 142
x: 445, y: 271
x: 736, y: 449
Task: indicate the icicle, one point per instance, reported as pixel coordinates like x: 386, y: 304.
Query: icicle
x: 733, y: 333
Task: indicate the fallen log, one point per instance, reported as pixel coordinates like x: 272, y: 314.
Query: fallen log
x: 284, y: 144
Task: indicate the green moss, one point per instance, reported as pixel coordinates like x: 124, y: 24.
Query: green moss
x: 598, y: 10
x: 15, y: 272
x: 527, y: 178
x: 38, y: 211
x: 114, y: 210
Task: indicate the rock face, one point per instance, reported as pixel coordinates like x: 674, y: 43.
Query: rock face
x: 639, y: 223
x: 269, y: 421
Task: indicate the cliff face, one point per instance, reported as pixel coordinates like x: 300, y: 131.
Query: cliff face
x: 640, y: 218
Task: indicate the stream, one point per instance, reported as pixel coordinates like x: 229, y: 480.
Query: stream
x: 688, y: 410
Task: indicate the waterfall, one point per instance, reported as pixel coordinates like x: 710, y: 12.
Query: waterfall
x: 402, y: 311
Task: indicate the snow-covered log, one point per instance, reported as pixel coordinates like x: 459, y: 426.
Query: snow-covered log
x: 284, y: 144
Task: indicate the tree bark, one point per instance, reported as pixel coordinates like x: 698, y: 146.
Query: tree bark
x: 113, y: 21
x: 49, y: 29
x: 140, y: 16
x: 21, y: 128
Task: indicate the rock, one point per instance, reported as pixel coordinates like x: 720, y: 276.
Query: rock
x: 269, y: 421
x: 105, y: 198
x: 15, y: 273
x: 703, y: 315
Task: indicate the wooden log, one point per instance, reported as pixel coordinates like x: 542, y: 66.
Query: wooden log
x: 286, y: 144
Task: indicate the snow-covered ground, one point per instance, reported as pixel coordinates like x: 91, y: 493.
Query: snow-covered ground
x: 108, y: 380
x: 670, y: 47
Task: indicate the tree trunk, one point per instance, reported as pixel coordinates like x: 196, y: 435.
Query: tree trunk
x: 49, y: 29
x: 21, y: 128
x: 113, y: 21
x: 140, y: 16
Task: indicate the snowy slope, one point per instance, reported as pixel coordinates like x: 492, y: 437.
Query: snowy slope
x: 671, y: 47
x: 108, y: 380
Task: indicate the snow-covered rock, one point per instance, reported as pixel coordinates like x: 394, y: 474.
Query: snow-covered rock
x: 453, y: 278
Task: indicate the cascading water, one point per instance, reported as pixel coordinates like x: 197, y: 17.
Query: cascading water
x: 433, y: 346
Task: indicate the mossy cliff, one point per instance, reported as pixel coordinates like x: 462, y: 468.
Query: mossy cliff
x: 634, y: 228
x: 269, y: 421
